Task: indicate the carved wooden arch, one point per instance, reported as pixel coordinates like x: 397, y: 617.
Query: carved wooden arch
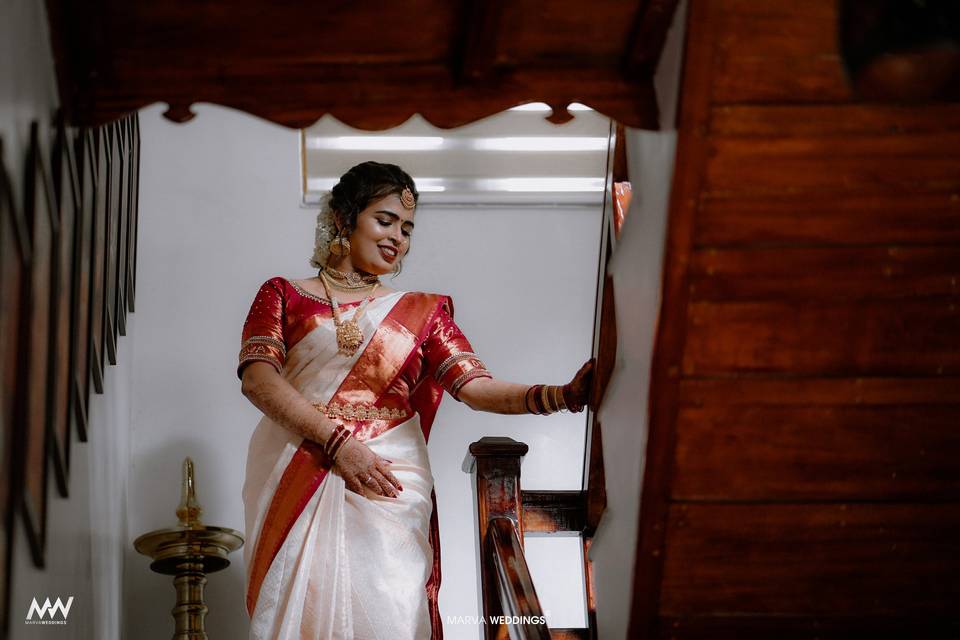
x: 372, y: 65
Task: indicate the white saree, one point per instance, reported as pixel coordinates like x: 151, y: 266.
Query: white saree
x: 351, y: 567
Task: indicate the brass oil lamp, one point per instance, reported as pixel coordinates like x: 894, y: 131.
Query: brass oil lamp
x: 189, y: 551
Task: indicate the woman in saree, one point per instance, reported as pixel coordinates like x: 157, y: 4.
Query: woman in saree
x: 340, y: 507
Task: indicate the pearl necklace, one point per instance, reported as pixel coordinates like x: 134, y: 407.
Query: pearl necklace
x: 349, y: 334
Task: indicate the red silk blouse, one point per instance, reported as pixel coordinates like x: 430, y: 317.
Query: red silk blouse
x: 283, y: 313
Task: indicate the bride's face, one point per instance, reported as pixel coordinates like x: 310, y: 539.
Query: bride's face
x: 382, y: 235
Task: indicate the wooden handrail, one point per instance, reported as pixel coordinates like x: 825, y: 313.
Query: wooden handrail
x: 518, y: 598
x: 510, y: 605
x: 505, y: 580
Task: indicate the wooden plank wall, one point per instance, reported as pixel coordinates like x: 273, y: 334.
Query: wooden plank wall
x: 803, y: 475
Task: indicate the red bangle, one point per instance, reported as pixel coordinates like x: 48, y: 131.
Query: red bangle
x: 535, y: 392
x: 336, y: 440
x: 538, y: 401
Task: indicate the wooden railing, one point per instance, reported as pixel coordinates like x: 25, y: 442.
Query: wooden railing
x: 511, y: 607
x: 67, y: 275
x: 518, y: 598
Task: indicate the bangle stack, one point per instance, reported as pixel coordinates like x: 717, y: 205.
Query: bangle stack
x: 336, y: 441
x: 543, y: 399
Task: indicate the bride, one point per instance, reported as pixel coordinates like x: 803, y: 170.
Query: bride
x: 340, y: 509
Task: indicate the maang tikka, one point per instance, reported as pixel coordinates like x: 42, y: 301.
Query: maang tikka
x: 407, y: 199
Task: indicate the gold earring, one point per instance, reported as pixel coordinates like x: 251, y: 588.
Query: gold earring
x: 340, y: 246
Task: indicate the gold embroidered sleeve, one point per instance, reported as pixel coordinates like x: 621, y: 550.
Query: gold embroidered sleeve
x: 450, y: 358
x: 263, y: 338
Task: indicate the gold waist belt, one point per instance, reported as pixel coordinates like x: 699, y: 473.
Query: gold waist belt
x: 359, y: 411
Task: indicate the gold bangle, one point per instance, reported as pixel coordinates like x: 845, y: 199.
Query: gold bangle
x: 562, y: 400
x: 556, y: 398
x: 545, y: 396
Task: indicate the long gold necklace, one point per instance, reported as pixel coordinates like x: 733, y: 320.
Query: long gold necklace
x: 349, y: 280
x: 349, y: 334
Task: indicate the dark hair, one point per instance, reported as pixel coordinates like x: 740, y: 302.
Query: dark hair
x: 364, y: 183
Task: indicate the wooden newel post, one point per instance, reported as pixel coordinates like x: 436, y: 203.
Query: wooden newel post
x: 496, y: 462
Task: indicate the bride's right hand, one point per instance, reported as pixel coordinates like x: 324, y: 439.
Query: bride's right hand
x: 360, y: 467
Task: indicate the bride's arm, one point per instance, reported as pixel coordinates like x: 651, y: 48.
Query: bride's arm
x: 494, y: 396
x: 282, y: 403
x: 499, y: 396
x: 279, y: 401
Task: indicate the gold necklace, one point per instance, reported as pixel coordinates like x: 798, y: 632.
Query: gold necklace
x: 349, y: 279
x: 330, y: 282
x: 349, y: 334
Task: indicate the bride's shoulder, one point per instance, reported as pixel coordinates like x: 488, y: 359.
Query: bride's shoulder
x: 431, y: 299
x: 275, y: 282
x: 428, y: 294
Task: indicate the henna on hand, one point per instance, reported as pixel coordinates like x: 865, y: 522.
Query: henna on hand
x: 360, y: 467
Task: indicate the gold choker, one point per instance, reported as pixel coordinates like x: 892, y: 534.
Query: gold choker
x: 351, y: 279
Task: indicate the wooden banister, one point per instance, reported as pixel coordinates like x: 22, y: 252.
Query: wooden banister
x: 505, y: 580
x: 505, y: 513
x: 518, y: 598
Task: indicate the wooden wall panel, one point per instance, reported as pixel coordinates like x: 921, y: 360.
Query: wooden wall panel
x: 891, y: 163
x: 100, y: 164
x: 838, y: 627
x: 66, y: 190
x: 819, y: 392
x: 133, y: 212
x: 111, y: 282
x: 34, y: 411
x: 14, y: 267
x: 828, y: 219
x: 812, y: 559
x: 777, y: 51
x: 823, y: 273
x: 817, y: 453
x: 788, y: 120
x: 53, y: 247
x: 801, y: 477
x: 123, y: 224
x: 81, y: 285
x: 881, y: 338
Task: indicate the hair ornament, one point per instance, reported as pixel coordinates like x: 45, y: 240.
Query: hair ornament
x: 407, y: 199
x: 326, y: 232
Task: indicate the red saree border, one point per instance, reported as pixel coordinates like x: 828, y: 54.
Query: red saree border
x: 378, y: 366
x: 304, y: 473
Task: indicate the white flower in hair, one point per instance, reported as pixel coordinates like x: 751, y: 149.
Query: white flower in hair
x: 326, y: 232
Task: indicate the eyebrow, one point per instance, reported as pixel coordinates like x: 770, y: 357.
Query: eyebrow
x: 393, y: 215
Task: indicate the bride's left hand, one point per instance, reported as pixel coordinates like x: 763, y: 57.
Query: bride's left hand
x: 576, y: 394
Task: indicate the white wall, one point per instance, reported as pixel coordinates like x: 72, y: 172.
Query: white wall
x: 86, y: 531
x: 219, y: 215
x: 637, y: 270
